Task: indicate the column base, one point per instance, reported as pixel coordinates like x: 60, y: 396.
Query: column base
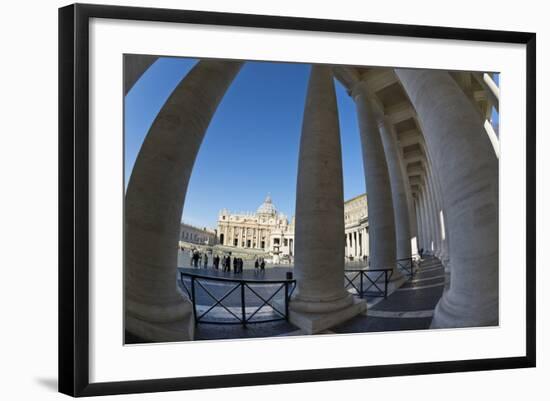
x: 160, y: 323
x: 448, y: 315
x: 313, y: 323
x: 183, y: 330
x: 396, y: 275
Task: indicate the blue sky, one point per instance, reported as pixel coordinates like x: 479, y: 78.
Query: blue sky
x: 251, y: 146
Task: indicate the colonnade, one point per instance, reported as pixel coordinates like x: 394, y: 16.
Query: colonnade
x: 449, y: 179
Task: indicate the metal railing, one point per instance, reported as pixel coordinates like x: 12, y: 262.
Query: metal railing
x: 371, y: 277
x: 408, y: 265
x: 240, y: 314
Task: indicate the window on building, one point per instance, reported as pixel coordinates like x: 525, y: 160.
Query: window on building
x: 285, y: 242
x: 235, y: 242
x: 276, y: 241
x: 263, y: 245
x: 248, y: 243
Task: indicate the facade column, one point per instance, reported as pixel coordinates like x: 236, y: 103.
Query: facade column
x: 380, y: 204
x: 320, y: 299
x: 399, y: 197
x: 154, y: 202
x: 468, y: 169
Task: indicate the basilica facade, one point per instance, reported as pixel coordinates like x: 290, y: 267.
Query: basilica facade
x: 265, y: 230
x: 272, y: 232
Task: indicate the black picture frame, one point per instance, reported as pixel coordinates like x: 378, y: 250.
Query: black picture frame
x: 74, y: 198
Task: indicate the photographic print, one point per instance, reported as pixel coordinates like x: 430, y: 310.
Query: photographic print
x: 267, y: 199
x: 255, y: 199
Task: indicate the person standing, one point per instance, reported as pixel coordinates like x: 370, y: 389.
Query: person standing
x: 262, y: 265
x: 205, y: 261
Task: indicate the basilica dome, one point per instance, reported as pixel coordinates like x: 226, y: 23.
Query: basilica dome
x: 267, y: 207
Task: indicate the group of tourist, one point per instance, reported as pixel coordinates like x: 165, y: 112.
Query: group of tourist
x: 200, y: 259
x: 238, y: 264
x: 259, y: 263
x: 197, y: 258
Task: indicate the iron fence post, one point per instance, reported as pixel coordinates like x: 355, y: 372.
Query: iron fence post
x: 385, y: 283
x: 193, y: 300
x: 243, y: 307
x: 286, y: 300
x: 361, y: 284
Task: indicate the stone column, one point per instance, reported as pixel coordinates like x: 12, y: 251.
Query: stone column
x: 155, y: 197
x: 445, y: 243
x: 399, y: 197
x: 468, y: 169
x: 425, y: 223
x: 320, y: 299
x: 432, y: 217
x: 436, y: 208
x: 419, y: 241
x: 380, y: 204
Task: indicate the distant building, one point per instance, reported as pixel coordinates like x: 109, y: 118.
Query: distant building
x: 356, y: 227
x: 272, y: 232
x: 197, y: 235
x: 266, y: 230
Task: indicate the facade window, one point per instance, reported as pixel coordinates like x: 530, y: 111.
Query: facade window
x: 248, y: 243
x: 276, y: 241
x: 263, y: 245
x: 285, y: 242
x: 221, y: 239
x: 235, y: 242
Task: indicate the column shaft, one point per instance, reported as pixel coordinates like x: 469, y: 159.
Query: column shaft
x: 156, y: 194
x: 400, y: 207
x: 319, y: 259
x: 380, y: 204
x: 468, y: 169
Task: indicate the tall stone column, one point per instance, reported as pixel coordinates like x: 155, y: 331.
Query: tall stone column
x: 468, y: 170
x: 399, y: 197
x: 320, y: 299
x: 426, y: 239
x: 380, y: 204
x: 433, y: 217
x: 436, y: 209
x: 419, y: 229
x: 155, y: 197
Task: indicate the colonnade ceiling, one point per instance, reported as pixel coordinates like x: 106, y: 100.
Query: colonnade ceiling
x: 400, y: 114
x: 388, y: 93
x: 472, y: 84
